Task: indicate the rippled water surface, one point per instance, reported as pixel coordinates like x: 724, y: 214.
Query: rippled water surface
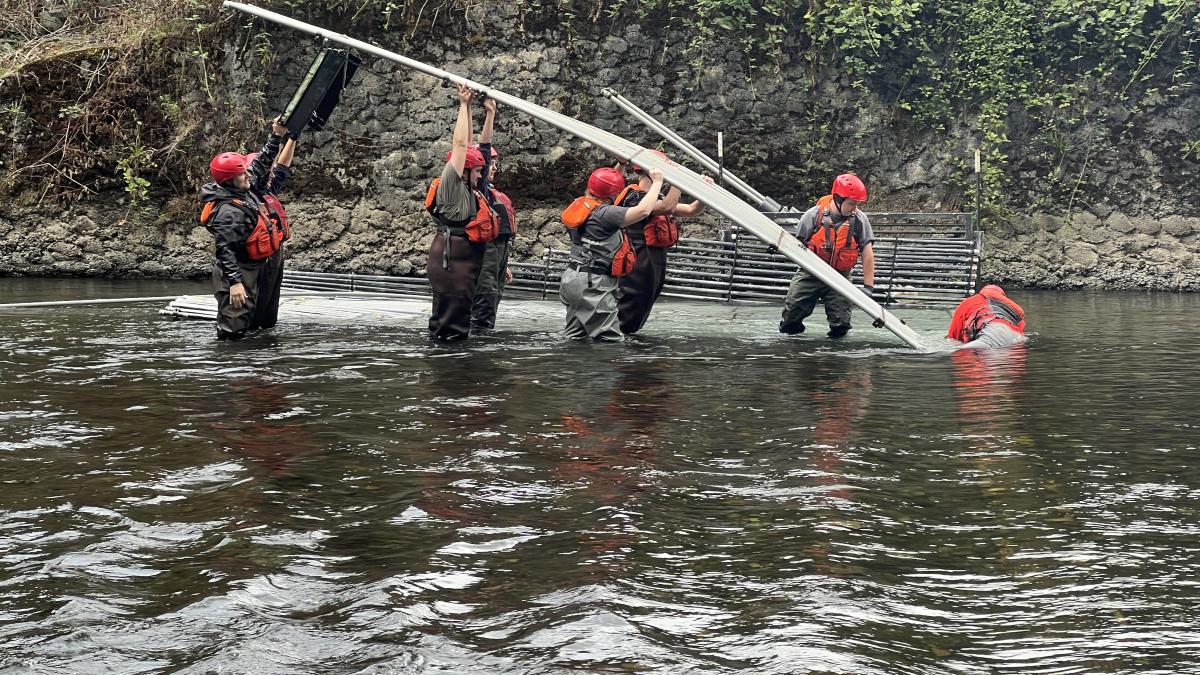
x: 710, y: 497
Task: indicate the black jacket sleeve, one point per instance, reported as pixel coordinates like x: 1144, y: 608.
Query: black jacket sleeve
x: 228, y: 226
x: 484, y: 186
x: 278, y: 176
x: 260, y: 168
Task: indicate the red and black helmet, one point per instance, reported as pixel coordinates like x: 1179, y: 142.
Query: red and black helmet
x: 227, y: 166
x: 606, y: 182
x: 850, y: 186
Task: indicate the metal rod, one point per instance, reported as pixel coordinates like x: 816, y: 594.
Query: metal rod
x: 757, y: 199
x: 710, y: 194
x: 97, y: 301
x: 978, y: 195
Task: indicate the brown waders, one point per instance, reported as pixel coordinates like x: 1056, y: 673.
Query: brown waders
x: 453, y: 271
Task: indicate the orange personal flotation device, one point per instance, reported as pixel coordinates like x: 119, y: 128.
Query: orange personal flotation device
x: 271, y: 227
x: 658, y: 231
x: 835, y: 244
x: 613, y: 255
x: 662, y: 231
x: 483, y: 227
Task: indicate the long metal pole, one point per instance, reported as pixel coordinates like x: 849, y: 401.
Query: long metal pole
x: 97, y: 301
x: 161, y: 298
x: 758, y: 199
x: 712, y: 195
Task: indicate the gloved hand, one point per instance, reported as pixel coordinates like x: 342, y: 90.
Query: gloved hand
x: 869, y: 290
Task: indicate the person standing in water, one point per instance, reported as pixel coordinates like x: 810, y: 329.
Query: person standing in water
x: 267, y: 186
x: 838, y: 232
x: 600, y: 253
x: 494, y: 274
x: 650, y: 238
x: 246, y: 231
x: 466, y: 221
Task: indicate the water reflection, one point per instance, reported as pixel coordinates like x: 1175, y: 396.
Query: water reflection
x: 354, y: 499
x: 262, y: 421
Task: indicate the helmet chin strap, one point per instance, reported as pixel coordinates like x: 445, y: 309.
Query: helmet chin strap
x: 837, y: 214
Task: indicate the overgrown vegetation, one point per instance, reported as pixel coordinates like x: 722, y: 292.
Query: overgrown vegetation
x: 122, y: 91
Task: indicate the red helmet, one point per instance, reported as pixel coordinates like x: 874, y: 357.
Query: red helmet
x: 850, y: 186
x: 657, y: 153
x: 227, y: 166
x: 606, y: 182
x: 474, y: 156
x: 991, y: 291
x: 250, y: 159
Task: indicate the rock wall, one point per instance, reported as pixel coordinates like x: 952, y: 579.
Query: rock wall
x: 356, y: 199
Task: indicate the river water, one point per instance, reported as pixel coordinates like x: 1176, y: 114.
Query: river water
x: 710, y: 497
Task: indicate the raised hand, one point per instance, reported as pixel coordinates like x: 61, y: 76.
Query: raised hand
x: 465, y: 94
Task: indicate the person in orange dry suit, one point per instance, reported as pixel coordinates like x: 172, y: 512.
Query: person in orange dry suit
x: 988, y: 319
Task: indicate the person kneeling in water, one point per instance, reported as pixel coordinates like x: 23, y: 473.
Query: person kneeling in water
x: 988, y: 319
x: 600, y: 253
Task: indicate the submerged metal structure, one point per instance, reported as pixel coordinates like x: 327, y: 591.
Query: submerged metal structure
x: 921, y: 260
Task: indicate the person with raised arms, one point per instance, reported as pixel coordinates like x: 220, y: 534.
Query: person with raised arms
x: 247, y: 233
x: 466, y: 221
x: 650, y: 238
x: 267, y: 187
x: 494, y: 273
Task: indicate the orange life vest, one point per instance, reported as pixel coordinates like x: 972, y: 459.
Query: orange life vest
x: 483, y: 227
x: 271, y: 227
x: 658, y: 231
x: 613, y: 255
x: 835, y: 244
x: 662, y: 231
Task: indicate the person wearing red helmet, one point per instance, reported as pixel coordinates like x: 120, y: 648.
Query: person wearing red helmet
x: 600, y: 252
x: 494, y: 273
x: 268, y: 185
x: 839, y: 233
x: 245, y: 231
x: 466, y: 221
x: 644, y: 283
x: 988, y: 319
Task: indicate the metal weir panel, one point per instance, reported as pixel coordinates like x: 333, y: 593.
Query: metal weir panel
x: 921, y: 259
